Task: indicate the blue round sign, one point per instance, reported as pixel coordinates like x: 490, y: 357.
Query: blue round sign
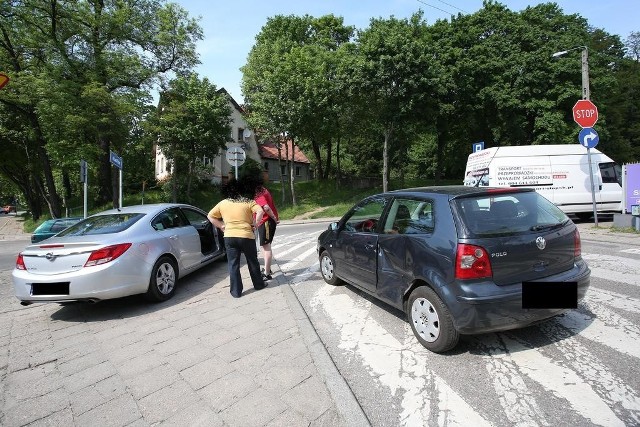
x: 588, y: 137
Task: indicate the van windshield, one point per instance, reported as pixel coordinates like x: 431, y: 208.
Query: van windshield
x: 512, y: 213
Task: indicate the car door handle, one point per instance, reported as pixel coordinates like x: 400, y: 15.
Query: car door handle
x: 369, y: 246
x: 173, y: 237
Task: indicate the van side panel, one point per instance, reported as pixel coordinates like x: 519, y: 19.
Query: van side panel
x: 558, y: 172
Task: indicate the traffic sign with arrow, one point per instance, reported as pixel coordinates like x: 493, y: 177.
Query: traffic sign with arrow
x: 588, y: 137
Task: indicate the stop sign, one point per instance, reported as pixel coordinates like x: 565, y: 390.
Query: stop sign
x: 585, y: 113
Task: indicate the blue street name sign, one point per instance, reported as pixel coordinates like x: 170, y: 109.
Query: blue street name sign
x: 115, y: 159
x: 478, y: 146
x: 588, y: 137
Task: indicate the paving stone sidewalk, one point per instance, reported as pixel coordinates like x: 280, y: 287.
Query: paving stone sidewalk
x: 200, y: 359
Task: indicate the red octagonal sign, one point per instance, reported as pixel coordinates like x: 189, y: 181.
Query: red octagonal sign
x: 585, y: 113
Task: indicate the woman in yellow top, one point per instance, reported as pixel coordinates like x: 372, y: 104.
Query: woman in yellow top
x: 234, y: 215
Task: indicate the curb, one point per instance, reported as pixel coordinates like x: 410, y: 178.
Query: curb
x: 345, y: 401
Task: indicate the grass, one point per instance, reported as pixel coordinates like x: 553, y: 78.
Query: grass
x: 318, y: 199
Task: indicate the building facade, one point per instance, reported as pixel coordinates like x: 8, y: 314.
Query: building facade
x: 216, y: 167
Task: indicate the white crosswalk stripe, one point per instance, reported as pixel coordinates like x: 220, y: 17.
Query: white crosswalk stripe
x: 572, y: 369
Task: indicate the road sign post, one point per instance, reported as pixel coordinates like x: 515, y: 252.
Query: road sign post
x: 84, y: 179
x: 235, y: 157
x: 117, y: 162
x: 585, y: 114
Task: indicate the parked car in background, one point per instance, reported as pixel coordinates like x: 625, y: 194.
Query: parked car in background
x: 458, y: 259
x: 141, y: 249
x: 51, y: 227
x: 7, y: 209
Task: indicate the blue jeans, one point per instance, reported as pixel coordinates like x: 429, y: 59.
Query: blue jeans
x: 236, y: 246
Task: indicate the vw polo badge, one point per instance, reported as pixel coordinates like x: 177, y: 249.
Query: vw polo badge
x: 541, y: 243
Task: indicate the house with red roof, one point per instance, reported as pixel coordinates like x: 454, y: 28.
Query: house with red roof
x: 274, y: 157
x: 266, y: 153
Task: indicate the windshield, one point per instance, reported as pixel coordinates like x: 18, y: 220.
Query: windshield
x: 102, y: 224
x: 511, y: 213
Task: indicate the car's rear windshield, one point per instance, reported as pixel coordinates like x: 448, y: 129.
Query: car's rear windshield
x: 102, y: 224
x: 509, y: 213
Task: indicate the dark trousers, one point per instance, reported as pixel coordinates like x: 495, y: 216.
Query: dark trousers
x: 236, y: 246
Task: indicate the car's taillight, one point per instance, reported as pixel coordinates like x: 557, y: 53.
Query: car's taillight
x: 20, y: 263
x: 577, y: 244
x: 472, y: 262
x: 105, y: 255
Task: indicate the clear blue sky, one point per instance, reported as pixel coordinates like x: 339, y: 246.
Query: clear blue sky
x: 230, y: 26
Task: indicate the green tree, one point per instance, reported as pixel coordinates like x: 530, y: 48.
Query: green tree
x: 290, y: 82
x: 394, y: 74
x: 80, y: 70
x: 192, y: 121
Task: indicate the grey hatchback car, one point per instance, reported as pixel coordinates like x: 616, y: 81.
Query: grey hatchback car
x: 459, y: 260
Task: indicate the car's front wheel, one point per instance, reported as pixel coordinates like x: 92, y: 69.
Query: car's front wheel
x: 164, y: 276
x: 431, y: 320
x: 327, y: 269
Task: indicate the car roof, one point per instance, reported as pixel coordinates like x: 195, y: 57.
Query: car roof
x: 454, y: 191
x: 143, y: 209
x: 66, y: 218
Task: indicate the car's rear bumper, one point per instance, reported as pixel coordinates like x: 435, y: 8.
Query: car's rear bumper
x: 499, y: 308
x: 92, y: 284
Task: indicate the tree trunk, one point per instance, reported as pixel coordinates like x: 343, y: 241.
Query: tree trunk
x: 327, y: 169
x: 385, y: 161
x: 338, y: 169
x: 292, y: 173
x: 104, y: 182
x: 189, y: 179
x: 282, y: 187
x: 316, y: 153
x: 174, y: 180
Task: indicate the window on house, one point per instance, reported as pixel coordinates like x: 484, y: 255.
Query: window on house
x: 283, y: 171
x: 240, y: 135
x: 266, y: 166
x: 297, y: 170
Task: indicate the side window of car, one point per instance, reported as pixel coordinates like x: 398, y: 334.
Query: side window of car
x: 408, y: 216
x: 195, y: 217
x: 58, y: 226
x: 162, y: 221
x: 366, y: 216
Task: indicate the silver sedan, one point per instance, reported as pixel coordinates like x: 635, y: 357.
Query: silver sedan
x: 134, y: 250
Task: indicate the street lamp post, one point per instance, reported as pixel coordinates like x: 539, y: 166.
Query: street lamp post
x: 585, y: 67
x: 585, y: 95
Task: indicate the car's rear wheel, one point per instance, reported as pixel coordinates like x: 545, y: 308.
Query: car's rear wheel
x: 431, y: 320
x: 327, y: 269
x: 164, y: 276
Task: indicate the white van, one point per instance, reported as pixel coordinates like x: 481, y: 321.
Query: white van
x: 558, y: 172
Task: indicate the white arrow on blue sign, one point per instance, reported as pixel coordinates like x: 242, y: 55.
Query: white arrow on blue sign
x: 588, y: 137
x: 115, y: 159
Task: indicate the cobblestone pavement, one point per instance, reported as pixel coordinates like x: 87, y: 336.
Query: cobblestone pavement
x: 200, y: 359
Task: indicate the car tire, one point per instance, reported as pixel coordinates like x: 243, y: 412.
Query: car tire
x: 327, y: 269
x: 431, y: 320
x: 584, y: 216
x: 164, y: 277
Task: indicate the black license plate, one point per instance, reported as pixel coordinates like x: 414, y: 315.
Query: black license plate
x: 549, y: 295
x: 50, y: 289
